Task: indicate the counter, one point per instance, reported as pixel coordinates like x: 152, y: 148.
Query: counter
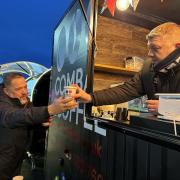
x: 148, y: 127
x: 142, y: 148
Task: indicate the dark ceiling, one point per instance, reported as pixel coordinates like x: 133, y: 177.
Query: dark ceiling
x: 149, y: 13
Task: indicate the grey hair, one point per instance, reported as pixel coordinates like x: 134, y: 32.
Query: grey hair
x: 168, y: 28
x: 7, y: 78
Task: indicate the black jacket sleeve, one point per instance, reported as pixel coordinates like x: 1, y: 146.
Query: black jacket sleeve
x: 12, y: 117
x: 119, y: 94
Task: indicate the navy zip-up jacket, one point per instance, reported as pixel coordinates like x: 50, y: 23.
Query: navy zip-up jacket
x: 15, y: 122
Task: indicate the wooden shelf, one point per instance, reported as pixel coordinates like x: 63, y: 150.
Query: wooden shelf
x: 114, y: 69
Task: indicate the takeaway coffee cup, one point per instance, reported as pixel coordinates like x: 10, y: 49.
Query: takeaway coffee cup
x: 69, y: 91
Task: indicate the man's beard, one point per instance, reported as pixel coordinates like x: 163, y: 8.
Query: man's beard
x: 23, y: 100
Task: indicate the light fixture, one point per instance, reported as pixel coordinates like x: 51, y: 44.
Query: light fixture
x: 122, y: 5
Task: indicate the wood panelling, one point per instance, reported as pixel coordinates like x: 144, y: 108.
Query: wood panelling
x: 115, y: 41
x: 104, y: 80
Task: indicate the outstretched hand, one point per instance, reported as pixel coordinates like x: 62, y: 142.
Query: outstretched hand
x: 61, y: 105
x: 82, y: 95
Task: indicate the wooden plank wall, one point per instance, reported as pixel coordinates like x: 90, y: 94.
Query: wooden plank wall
x: 115, y: 41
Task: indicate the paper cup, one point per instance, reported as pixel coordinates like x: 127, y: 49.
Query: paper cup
x: 69, y: 91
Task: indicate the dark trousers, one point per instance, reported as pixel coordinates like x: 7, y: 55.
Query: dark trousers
x: 11, y: 159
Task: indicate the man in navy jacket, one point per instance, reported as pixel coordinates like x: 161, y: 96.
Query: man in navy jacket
x: 160, y: 73
x: 16, y: 115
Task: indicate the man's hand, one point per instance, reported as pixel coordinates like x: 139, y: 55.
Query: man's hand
x: 82, y: 95
x: 61, y: 105
x: 48, y: 123
x: 152, y: 105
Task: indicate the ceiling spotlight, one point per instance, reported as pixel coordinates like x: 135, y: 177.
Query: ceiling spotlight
x: 122, y: 5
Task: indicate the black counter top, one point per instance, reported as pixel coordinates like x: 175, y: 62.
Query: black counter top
x: 153, y: 123
x: 148, y: 128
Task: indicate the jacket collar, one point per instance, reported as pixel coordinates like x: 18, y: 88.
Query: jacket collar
x: 170, y: 62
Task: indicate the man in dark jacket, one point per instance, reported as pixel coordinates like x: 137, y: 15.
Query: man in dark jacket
x: 16, y: 115
x: 160, y: 74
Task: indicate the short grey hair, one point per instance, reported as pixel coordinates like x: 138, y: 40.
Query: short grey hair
x: 169, y: 28
x: 7, y: 78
